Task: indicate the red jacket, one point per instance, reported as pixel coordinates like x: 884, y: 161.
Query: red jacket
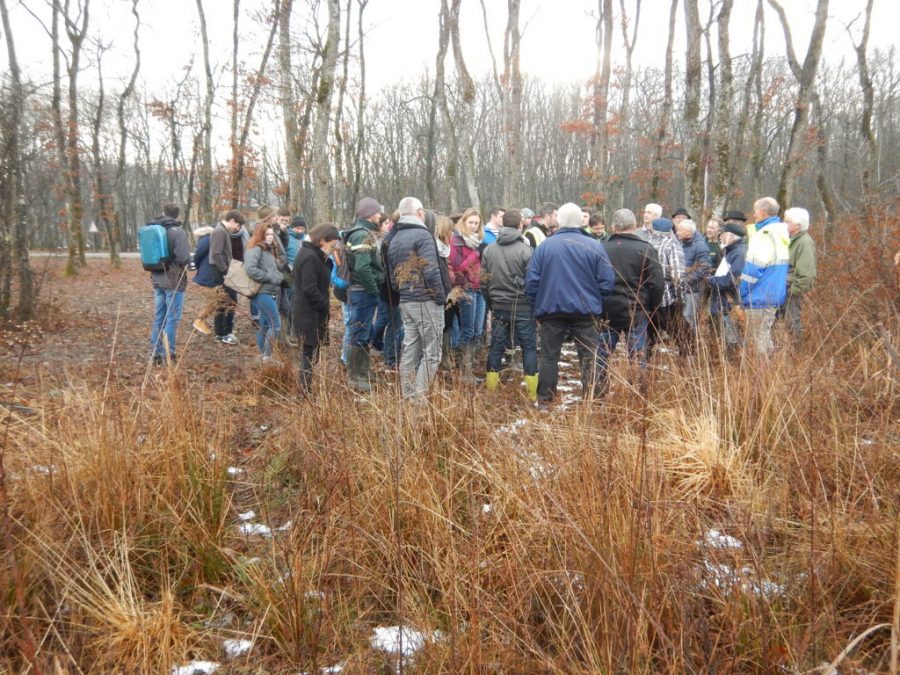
x: 465, y: 264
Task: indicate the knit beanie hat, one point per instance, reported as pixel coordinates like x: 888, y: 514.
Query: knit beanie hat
x: 368, y: 207
x: 662, y: 225
x: 735, y: 228
x: 298, y: 221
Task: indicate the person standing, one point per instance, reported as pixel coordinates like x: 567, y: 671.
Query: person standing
x: 724, y: 286
x: 493, y: 225
x: 668, y: 317
x: 505, y: 264
x: 696, y: 269
x: 212, y: 266
x: 465, y: 270
x: 567, y: 280
x: 637, y: 292
x: 764, y: 277
x: 168, y: 287
x: 366, y: 276
x: 412, y: 257
x: 801, y: 271
x: 264, y: 262
x: 310, y: 304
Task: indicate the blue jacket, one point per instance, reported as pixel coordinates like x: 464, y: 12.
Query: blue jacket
x: 569, y: 274
x: 206, y: 274
x: 293, y: 246
x: 725, y: 288
x: 764, y: 277
x: 412, y: 259
x: 696, y: 262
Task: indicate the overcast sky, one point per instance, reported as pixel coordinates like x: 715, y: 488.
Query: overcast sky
x: 401, y: 35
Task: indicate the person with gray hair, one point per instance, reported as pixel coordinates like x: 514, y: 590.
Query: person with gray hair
x: 636, y: 294
x: 668, y: 317
x: 415, y: 274
x: 567, y: 280
x: 764, y: 277
x: 696, y: 268
x: 801, y: 270
x: 651, y: 212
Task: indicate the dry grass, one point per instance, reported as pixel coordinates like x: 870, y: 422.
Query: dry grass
x: 574, y: 541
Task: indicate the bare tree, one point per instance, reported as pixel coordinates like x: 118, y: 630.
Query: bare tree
x: 600, y: 103
x: 205, y: 135
x: 665, y: 113
x: 361, y: 104
x: 105, y: 206
x: 753, y: 76
x: 806, y: 79
x: 466, y: 111
x: 865, y: 123
x: 625, y: 125
x: 722, y: 126
x: 693, y: 169
x: 321, y: 175
x: 14, y: 211
x: 512, y: 106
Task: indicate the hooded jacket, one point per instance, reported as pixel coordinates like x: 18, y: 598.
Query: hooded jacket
x: 412, y: 261
x: 367, y: 272
x: 802, y: 258
x: 504, y: 265
x: 205, y: 275
x: 310, y: 305
x: 465, y: 264
x: 639, y: 283
x: 569, y: 275
x: 725, y: 286
x: 764, y: 277
x: 174, y: 277
x: 262, y: 264
x: 696, y: 262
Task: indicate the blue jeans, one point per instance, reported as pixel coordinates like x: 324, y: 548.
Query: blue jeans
x: 362, y: 315
x: 525, y: 335
x: 345, y: 341
x: 167, y: 314
x: 636, y: 340
x: 269, y: 323
x: 387, y: 333
x: 472, y: 311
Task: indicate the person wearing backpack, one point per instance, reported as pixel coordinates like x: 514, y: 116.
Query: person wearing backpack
x: 213, y: 255
x: 366, y: 276
x: 169, y: 284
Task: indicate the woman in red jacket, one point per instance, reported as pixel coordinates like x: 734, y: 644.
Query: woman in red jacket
x: 465, y: 272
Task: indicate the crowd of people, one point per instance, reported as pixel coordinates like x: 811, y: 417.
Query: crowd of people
x: 431, y: 291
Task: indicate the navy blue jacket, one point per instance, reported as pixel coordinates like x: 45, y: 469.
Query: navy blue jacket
x: 206, y: 275
x: 725, y: 288
x: 419, y: 280
x: 569, y: 274
x: 696, y: 262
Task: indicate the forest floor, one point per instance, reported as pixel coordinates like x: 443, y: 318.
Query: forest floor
x: 204, y: 514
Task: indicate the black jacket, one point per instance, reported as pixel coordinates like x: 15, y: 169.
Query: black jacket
x: 310, y: 306
x: 504, y: 265
x: 639, y: 281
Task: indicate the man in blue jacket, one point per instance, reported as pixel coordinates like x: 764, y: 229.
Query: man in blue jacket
x: 567, y: 279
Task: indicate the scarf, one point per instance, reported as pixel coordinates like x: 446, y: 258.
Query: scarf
x: 471, y: 241
x: 443, y: 249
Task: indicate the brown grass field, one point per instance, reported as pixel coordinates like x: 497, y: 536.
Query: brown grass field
x: 718, y: 519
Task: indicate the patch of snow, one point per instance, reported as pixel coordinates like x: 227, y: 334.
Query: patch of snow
x: 564, y: 387
x: 717, y: 539
x: 260, y: 529
x: 196, y: 668
x: 867, y: 441
x: 44, y: 469
x: 285, y: 527
x: 247, y: 515
x: 486, y: 509
x: 314, y: 595
x: 393, y: 639
x: 726, y: 577
x: 235, y: 471
x: 512, y: 428
x: 237, y: 648
x: 330, y: 670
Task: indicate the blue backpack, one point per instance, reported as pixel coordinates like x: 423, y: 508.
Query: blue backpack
x: 154, y: 244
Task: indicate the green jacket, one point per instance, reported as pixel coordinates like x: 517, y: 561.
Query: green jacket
x: 802, y: 271
x: 367, y: 271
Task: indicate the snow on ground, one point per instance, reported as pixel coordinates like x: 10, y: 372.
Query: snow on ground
x: 237, y: 648
x: 393, y: 639
x: 196, y: 668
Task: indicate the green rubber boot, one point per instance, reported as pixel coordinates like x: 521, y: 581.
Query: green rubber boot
x: 531, y: 382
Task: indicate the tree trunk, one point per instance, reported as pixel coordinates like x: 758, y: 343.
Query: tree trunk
x: 512, y: 107
x: 322, y: 211
x: 753, y: 75
x: 205, y: 187
x: 666, y: 113
x: 361, y: 107
x: 440, y: 102
x: 466, y: 114
x: 239, y: 161
x: 15, y: 216
x: 340, y: 154
x: 723, y: 111
x: 693, y: 169
x: 600, y: 107
x: 625, y: 140
x: 104, y: 199
x: 865, y: 122
x: 806, y: 80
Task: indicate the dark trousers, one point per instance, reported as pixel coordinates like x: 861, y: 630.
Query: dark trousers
x: 587, y: 341
x: 308, y: 356
x: 224, y: 319
x: 504, y: 325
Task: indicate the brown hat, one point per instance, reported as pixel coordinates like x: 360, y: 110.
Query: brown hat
x: 264, y: 211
